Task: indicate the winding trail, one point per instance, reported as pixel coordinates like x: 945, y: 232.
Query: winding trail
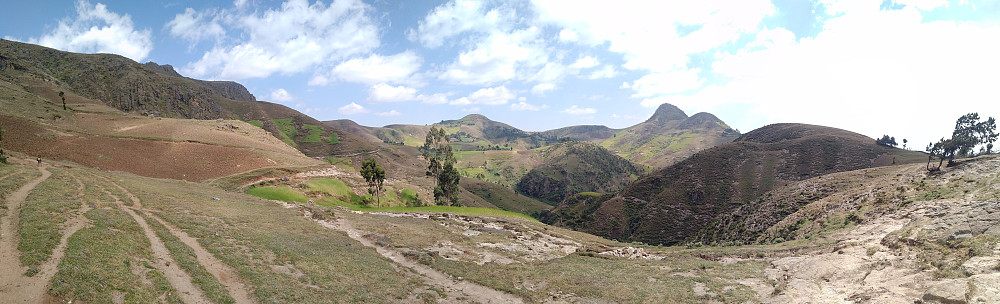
x: 179, y: 279
x: 14, y: 286
x: 221, y: 271
x: 458, y: 291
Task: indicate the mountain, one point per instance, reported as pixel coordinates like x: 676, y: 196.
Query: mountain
x: 156, y: 90
x: 574, y: 167
x: 669, y: 136
x: 673, y: 204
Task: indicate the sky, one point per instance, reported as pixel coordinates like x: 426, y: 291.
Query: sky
x: 906, y: 68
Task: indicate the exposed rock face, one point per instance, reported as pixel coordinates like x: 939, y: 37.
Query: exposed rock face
x: 936, y: 251
x: 149, y: 89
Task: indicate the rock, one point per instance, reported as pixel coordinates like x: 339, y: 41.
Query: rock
x: 947, y: 292
x: 981, y: 265
x: 986, y: 288
x: 215, y: 198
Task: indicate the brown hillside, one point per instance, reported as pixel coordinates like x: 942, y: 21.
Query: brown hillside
x: 673, y: 204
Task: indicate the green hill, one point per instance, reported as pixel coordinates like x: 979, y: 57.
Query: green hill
x: 574, y: 167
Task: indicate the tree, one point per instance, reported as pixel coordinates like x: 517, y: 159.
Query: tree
x: 442, y: 166
x: 63, y: 96
x: 375, y: 177
x: 904, y: 143
x: 886, y: 141
x: 969, y: 132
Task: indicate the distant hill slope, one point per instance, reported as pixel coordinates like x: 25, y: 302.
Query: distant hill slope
x: 669, y: 136
x: 151, y: 89
x: 121, y: 82
x: 675, y: 203
x: 573, y: 167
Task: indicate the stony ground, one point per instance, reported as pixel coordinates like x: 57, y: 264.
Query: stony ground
x: 934, y: 251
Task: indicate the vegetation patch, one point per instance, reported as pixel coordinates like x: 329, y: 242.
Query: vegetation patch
x: 256, y: 123
x: 314, y: 134
x: 188, y: 261
x: 46, y: 208
x: 282, y: 193
x: 287, y: 130
x: 112, y: 256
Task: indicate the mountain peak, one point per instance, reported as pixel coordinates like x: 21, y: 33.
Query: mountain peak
x: 667, y: 112
x: 475, y: 117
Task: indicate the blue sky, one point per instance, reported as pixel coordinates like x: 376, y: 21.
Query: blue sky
x: 907, y: 68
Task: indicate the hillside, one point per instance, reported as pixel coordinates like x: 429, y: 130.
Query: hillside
x: 673, y: 204
x: 574, y: 167
x: 669, y: 136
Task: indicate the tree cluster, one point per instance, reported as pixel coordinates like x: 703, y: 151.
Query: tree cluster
x: 442, y: 167
x: 969, y: 133
x: 375, y: 177
x: 886, y: 141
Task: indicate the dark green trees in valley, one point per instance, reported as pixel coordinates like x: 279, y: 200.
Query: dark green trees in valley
x: 63, y: 96
x: 375, y: 177
x: 442, y: 167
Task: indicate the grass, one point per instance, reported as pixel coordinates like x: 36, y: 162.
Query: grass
x: 187, y: 260
x: 259, y: 239
x: 333, y: 140
x: 314, y: 135
x: 445, y: 209
x: 287, y: 130
x: 256, y: 123
x: 590, y: 194
x: 282, y: 193
x: 111, y: 256
x: 343, y: 163
x: 45, y: 209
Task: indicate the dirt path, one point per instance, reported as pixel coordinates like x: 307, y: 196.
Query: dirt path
x: 179, y: 279
x: 458, y: 291
x: 222, y: 272
x: 14, y: 287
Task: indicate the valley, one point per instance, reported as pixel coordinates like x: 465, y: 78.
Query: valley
x: 158, y: 188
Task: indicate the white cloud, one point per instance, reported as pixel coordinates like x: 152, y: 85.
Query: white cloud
x: 585, y: 62
x: 454, y: 18
x: 524, y: 106
x: 575, y: 110
x: 392, y: 113
x: 568, y: 36
x: 436, y: 98
x: 607, y: 71
x: 497, y: 58
x: 296, y: 37
x: 490, y: 96
x: 352, y: 109
x: 374, y: 69
x: 541, y: 88
x: 387, y: 93
x: 280, y: 95
x: 870, y: 71
x: 670, y: 82
x: 98, y: 30
x: 195, y: 26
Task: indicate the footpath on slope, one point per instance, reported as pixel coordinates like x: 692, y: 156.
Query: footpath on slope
x: 222, y: 272
x: 456, y: 289
x: 14, y: 286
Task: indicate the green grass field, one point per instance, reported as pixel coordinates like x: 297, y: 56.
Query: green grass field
x: 282, y: 193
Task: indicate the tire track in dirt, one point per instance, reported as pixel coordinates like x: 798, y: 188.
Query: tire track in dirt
x: 48, y: 269
x: 456, y: 289
x: 179, y: 279
x: 221, y: 271
x: 14, y: 287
